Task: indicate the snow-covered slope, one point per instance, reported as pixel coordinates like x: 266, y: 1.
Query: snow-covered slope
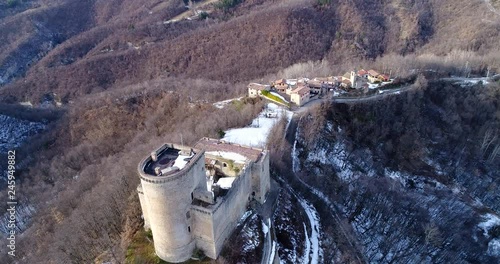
x: 415, y: 176
x: 399, y: 216
x: 256, y: 134
x: 15, y: 131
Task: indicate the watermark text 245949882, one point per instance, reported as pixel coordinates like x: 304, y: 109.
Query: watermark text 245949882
x: 11, y: 202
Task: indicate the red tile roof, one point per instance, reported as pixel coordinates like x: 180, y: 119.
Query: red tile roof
x: 209, y: 144
x: 258, y: 86
x: 384, y: 76
x: 280, y: 81
x: 301, y: 90
x: 362, y: 72
x: 373, y: 73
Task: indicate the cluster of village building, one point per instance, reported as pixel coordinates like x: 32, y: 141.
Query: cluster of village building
x: 299, y: 91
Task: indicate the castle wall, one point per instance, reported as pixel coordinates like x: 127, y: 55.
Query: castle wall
x: 261, y: 183
x: 142, y: 201
x: 168, y: 200
x: 231, y: 169
x: 180, y: 225
x: 225, y: 218
x: 203, y: 231
x: 213, y: 226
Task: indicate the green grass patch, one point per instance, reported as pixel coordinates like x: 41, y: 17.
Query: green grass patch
x: 273, y: 97
x: 141, y: 251
x: 238, y: 104
x: 231, y: 165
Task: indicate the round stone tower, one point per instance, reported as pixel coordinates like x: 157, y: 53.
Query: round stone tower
x: 167, y: 198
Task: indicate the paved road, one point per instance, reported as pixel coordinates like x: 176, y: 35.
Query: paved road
x: 376, y: 96
x: 353, y: 245
x: 266, y: 211
x: 351, y: 100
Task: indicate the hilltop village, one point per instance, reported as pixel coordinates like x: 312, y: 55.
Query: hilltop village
x: 300, y: 91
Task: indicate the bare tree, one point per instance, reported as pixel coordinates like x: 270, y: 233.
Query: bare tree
x: 490, y: 141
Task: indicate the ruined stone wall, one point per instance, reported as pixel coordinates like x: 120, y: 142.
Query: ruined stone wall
x: 213, y: 227
x: 228, y: 167
x: 203, y: 230
x: 178, y: 225
x: 233, y: 207
x: 265, y: 177
x: 261, y: 178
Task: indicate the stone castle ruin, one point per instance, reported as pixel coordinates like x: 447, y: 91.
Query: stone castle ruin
x: 192, y: 198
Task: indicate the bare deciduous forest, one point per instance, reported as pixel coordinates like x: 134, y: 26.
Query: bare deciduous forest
x: 92, y: 154
x: 128, y: 81
x: 405, y: 157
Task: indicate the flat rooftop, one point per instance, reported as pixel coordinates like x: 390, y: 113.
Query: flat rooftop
x: 169, y: 160
x: 214, y: 145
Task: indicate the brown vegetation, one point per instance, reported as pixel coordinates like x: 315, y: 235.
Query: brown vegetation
x: 436, y: 137
x: 83, y: 186
x: 130, y: 82
x: 400, y: 129
x: 125, y: 43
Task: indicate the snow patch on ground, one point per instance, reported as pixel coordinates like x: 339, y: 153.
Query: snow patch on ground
x: 265, y: 228
x: 336, y: 157
x: 329, y: 126
x: 251, y: 235
x: 273, y: 251
x: 313, y: 252
x: 465, y: 82
x: 244, y: 217
x: 256, y: 134
x: 15, y: 131
x: 222, y: 104
x: 490, y: 220
x: 181, y: 161
x: 419, y: 182
x: 494, y: 248
x: 226, y: 182
x: 295, y: 154
x: 236, y: 157
x: 307, y: 250
x: 24, y: 212
x: 395, y: 175
x: 210, y: 182
x: 437, y: 167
